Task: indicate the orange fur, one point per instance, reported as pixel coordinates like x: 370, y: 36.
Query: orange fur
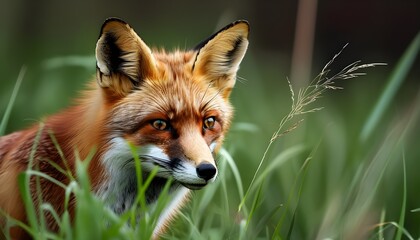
x: 174, y: 106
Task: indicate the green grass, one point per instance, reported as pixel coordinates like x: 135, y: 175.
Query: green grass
x: 6, y: 114
x: 326, y: 179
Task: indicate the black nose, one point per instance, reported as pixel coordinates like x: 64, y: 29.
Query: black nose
x: 206, y: 170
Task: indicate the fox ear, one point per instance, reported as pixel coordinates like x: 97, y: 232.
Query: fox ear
x: 219, y: 56
x: 123, y: 60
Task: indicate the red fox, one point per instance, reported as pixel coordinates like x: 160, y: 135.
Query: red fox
x: 173, y: 106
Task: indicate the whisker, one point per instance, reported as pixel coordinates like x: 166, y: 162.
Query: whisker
x: 241, y: 79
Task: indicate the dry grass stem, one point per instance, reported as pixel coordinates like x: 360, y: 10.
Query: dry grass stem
x: 316, y: 88
x: 308, y: 95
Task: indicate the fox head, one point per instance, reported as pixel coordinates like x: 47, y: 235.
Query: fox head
x: 174, y: 107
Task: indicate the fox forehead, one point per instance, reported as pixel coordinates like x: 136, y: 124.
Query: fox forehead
x: 173, y: 93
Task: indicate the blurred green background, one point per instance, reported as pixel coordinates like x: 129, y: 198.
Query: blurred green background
x: 55, y: 40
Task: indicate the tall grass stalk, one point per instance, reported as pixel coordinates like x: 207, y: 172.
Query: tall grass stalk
x: 305, y: 97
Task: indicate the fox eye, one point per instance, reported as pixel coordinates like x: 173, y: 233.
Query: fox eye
x: 209, y: 122
x: 160, y: 124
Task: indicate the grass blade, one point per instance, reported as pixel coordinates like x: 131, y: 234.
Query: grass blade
x: 6, y: 114
x: 225, y: 154
x: 292, y: 223
x: 254, y: 205
x: 295, y: 194
x: 404, y: 202
x: 24, y: 181
x: 397, y: 77
x: 415, y: 210
x: 381, y: 226
x: 285, y: 156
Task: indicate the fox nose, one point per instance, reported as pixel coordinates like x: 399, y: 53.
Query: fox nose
x: 206, y: 170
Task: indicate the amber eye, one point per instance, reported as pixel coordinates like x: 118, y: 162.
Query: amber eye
x: 160, y: 124
x: 209, y: 122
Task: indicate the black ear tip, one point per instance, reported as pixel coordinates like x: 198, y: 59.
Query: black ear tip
x: 241, y: 21
x: 203, y: 43
x: 114, y: 19
x: 237, y: 22
x: 109, y: 20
